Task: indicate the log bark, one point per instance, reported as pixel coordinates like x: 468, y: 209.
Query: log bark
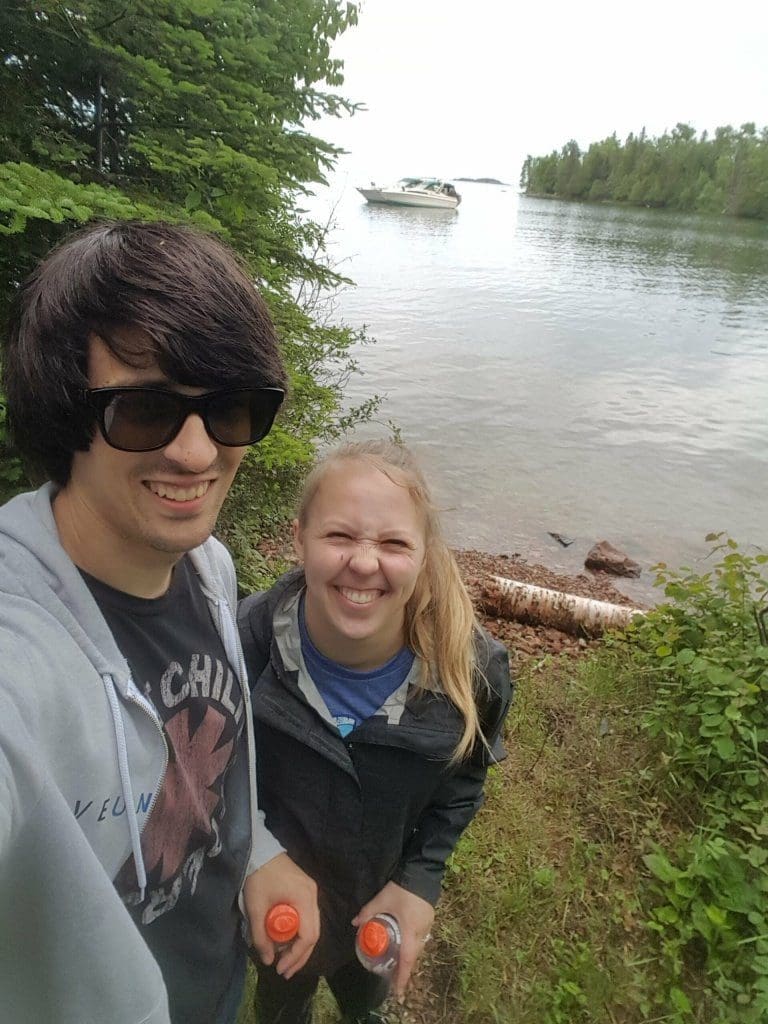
x: 539, y: 606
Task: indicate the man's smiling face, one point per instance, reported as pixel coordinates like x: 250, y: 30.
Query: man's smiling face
x: 145, y: 506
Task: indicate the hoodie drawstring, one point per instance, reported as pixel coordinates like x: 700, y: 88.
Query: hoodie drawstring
x: 125, y: 780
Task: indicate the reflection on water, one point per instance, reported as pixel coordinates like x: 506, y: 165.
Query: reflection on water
x: 409, y: 221
x: 591, y: 370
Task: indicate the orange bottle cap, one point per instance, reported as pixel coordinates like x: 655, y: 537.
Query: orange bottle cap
x: 373, y: 938
x: 282, y: 922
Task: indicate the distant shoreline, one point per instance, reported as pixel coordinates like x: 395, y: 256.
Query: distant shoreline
x: 484, y: 181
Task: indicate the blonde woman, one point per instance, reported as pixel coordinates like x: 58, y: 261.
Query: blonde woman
x: 378, y: 704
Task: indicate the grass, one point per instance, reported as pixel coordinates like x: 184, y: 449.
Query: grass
x: 541, y: 919
x: 324, y: 1008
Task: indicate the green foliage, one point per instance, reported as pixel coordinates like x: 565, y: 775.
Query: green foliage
x: 29, y: 193
x: 707, y: 653
x: 725, y: 174
x: 12, y: 476
x: 187, y: 110
x: 186, y: 105
x: 618, y: 869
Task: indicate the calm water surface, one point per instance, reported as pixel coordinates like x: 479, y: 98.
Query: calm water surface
x: 595, y: 371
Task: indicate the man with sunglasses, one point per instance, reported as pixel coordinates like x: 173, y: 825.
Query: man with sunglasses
x: 139, y: 365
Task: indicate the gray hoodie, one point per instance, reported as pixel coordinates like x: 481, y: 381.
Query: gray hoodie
x: 82, y: 759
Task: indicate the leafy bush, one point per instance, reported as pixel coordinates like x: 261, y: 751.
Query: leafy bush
x: 707, y: 652
x: 12, y: 476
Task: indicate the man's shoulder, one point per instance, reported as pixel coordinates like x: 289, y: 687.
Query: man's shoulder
x: 17, y: 510
x: 27, y: 532
x: 30, y: 576
x: 215, y: 567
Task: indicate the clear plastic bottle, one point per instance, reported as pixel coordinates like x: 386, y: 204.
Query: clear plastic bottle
x: 282, y: 925
x: 378, y: 944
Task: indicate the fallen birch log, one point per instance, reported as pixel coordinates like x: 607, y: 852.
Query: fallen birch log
x: 538, y: 606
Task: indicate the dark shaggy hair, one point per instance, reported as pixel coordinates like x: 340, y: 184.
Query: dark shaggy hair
x: 208, y: 325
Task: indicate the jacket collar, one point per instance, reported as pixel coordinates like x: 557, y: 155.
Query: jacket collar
x: 287, y: 638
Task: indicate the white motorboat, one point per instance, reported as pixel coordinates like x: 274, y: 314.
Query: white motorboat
x: 415, y: 192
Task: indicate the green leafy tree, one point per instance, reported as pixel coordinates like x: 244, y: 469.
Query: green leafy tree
x: 598, y: 164
x: 724, y: 174
x: 570, y: 176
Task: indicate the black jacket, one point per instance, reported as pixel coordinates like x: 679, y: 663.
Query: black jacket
x: 380, y: 804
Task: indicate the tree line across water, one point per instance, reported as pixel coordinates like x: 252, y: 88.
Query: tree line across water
x: 726, y: 173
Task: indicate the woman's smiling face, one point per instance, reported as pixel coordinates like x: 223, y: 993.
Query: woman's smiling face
x: 363, y: 546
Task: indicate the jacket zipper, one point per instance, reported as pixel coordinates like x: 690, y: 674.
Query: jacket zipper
x: 250, y: 745
x: 153, y: 717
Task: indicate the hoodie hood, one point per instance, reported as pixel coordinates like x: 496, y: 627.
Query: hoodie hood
x: 35, y: 567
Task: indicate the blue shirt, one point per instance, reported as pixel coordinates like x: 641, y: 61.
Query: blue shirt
x: 352, y: 696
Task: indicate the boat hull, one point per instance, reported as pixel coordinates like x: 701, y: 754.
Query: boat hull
x: 397, y: 198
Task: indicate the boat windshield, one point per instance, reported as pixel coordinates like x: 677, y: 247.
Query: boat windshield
x: 421, y: 184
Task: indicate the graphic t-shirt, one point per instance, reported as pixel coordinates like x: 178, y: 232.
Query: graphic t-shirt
x: 196, y: 841
x: 351, y: 696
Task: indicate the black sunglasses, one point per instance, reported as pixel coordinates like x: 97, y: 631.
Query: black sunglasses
x: 143, y: 419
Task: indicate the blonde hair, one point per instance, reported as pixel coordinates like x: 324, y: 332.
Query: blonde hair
x: 440, y: 621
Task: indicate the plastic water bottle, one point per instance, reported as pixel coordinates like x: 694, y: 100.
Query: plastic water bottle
x: 282, y: 925
x: 378, y: 944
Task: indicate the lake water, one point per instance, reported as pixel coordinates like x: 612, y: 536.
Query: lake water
x: 595, y: 371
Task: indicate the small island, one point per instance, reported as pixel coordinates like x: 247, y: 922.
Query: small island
x: 484, y: 181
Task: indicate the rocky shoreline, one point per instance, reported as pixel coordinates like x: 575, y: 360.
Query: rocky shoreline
x: 525, y: 641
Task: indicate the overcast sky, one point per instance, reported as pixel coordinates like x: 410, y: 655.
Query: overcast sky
x: 470, y: 88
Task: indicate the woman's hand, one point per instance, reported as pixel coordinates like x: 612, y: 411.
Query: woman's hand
x: 282, y: 881
x: 414, y: 916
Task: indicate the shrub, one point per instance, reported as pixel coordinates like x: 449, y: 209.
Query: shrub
x: 707, y: 653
